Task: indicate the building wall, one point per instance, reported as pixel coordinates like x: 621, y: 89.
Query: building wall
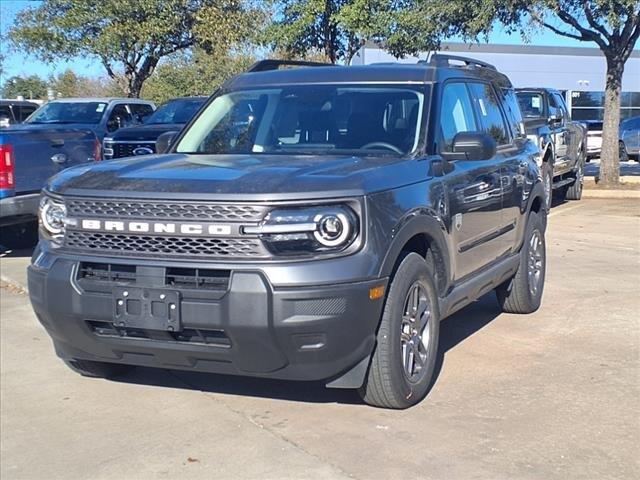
x: 564, y: 68
x: 579, y: 72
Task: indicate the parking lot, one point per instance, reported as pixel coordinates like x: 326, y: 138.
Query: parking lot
x: 551, y: 395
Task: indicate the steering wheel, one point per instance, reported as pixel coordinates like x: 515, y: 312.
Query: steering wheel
x: 386, y: 145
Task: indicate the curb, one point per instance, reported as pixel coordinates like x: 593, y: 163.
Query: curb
x: 630, y: 194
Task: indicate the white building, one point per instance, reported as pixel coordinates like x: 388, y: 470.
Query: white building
x: 578, y: 71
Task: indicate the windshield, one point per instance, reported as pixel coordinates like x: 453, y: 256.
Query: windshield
x: 175, y: 111
x: 531, y: 104
x: 69, y: 112
x: 309, y: 119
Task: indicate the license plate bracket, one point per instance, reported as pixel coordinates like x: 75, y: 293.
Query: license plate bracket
x: 146, y: 308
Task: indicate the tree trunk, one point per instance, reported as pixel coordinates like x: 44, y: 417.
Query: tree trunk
x: 609, y: 157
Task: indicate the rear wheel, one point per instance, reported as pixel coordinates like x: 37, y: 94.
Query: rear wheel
x: 404, y: 359
x: 523, y: 293
x: 623, y: 155
x: 574, y: 191
x: 89, y: 368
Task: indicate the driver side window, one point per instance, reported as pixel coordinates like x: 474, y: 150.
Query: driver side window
x: 120, y: 117
x: 456, y: 114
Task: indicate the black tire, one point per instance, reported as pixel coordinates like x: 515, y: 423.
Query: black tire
x: 547, y: 183
x: 89, y: 368
x: 388, y: 384
x: 574, y: 191
x: 523, y: 293
x: 20, y: 235
x: 623, y: 155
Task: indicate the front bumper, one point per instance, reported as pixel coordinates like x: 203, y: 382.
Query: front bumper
x: 248, y: 327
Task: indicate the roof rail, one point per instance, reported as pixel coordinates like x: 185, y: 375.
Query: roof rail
x: 270, y: 64
x: 443, y: 60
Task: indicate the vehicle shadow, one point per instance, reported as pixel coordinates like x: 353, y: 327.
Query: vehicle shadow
x: 453, y: 331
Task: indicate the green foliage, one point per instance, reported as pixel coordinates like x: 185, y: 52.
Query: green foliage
x: 334, y: 28
x: 193, y: 75
x: 31, y: 87
x: 130, y: 37
x: 67, y: 84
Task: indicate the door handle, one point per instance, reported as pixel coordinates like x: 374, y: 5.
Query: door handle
x: 58, y: 142
x: 59, y: 158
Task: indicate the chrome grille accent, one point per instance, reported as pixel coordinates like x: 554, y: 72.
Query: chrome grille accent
x: 143, y: 209
x: 122, y: 149
x: 173, y: 246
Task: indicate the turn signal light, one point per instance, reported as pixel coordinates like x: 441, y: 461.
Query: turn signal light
x: 376, y: 292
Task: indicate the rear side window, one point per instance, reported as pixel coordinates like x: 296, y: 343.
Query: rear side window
x: 140, y: 112
x: 24, y: 112
x: 488, y: 108
x: 512, y: 109
x: 5, y: 113
x: 456, y: 114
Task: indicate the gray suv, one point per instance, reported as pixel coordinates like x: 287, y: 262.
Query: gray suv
x: 312, y: 223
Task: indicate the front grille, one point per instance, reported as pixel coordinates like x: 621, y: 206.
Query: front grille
x: 126, y: 149
x: 152, y: 245
x: 142, y: 209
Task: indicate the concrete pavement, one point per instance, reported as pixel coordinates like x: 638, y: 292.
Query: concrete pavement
x: 553, y: 395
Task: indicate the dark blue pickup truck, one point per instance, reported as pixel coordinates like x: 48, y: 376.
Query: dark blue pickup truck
x: 28, y: 157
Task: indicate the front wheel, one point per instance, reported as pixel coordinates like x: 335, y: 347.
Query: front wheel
x: 523, y: 293
x: 547, y: 184
x: 404, y: 358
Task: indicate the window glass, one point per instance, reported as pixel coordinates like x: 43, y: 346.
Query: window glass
x: 175, y: 111
x: 488, y: 109
x: 512, y: 108
x: 559, y: 103
x: 456, y: 113
x: 119, y: 118
x: 309, y: 119
x: 69, y: 112
x: 140, y: 112
x: 5, y: 113
x: 24, y: 111
x: 531, y: 104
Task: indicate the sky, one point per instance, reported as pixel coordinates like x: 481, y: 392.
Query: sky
x: 19, y: 64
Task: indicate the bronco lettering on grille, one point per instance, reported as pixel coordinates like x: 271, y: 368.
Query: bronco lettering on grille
x: 183, y: 228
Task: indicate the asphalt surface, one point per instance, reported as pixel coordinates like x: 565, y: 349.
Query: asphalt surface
x: 553, y: 395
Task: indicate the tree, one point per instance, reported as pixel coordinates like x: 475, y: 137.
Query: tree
x: 613, y: 25
x: 31, y: 87
x: 129, y: 37
x: 193, y: 74
x: 335, y: 28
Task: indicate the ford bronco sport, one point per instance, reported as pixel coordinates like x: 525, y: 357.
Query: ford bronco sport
x: 311, y: 223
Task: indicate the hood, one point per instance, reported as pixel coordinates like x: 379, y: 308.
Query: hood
x: 145, y: 132
x: 239, y: 177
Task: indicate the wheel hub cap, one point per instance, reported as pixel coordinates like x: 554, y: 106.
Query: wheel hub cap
x: 535, y: 262
x: 414, y: 335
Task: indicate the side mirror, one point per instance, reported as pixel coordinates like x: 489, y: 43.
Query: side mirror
x: 5, y: 122
x: 164, y: 141
x: 555, y: 119
x: 474, y: 145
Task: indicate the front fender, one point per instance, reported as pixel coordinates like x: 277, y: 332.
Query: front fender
x: 420, y: 222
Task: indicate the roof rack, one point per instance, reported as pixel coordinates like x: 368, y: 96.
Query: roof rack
x: 270, y: 64
x: 442, y: 60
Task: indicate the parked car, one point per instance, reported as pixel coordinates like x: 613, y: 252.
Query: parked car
x: 101, y: 115
x: 141, y: 139
x: 594, y: 138
x: 562, y: 142
x: 310, y: 224
x: 27, y: 159
x: 630, y: 139
x: 15, y: 111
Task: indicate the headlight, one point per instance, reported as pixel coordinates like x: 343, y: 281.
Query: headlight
x: 298, y: 231
x: 53, y: 216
